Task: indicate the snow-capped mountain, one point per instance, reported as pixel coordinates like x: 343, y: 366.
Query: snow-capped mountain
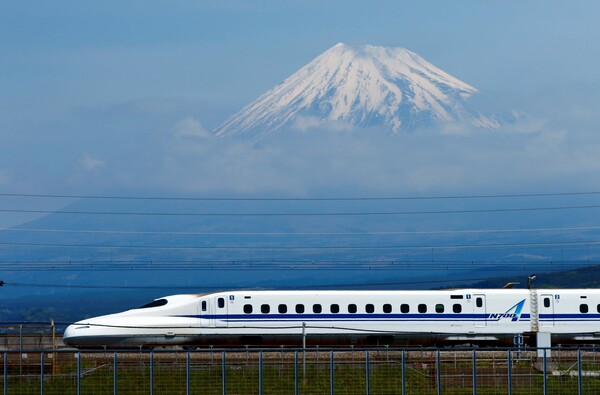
x: 361, y: 86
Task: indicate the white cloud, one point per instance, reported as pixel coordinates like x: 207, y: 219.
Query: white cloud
x: 4, y: 177
x: 373, y: 161
x: 91, y: 163
x: 190, y: 127
x: 305, y: 123
x: 457, y: 129
x: 530, y: 155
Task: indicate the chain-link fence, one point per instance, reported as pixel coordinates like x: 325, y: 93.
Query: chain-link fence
x: 310, y: 371
x: 29, y: 336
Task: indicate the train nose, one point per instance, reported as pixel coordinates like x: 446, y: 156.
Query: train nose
x: 69, y: 336
x: 77, y: 335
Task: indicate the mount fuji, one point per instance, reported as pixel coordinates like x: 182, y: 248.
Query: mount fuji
x: 363, y: 86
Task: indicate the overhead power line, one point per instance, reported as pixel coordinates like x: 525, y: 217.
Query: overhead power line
x: 306, y: 248
x: 233, y: 288
x: 286, y: 261
x: 359, y: 233
x: 359, y: 198
x: 394, y: 266
x: 291, y: 214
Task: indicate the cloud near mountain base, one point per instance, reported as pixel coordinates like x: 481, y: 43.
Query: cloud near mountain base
x: 317, y: 161
x: 180, y: 158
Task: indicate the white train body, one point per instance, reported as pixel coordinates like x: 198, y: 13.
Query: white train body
x: 348, y: 317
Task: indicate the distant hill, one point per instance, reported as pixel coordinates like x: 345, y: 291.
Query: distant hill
x: 585, y: 277
x: 67, y: 308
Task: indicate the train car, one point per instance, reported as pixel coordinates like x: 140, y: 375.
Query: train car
x: 334, y: 318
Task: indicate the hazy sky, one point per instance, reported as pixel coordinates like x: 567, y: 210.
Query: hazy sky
x: 98, y: 53
x: 117, y: 95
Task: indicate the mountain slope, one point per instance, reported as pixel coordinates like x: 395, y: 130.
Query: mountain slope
x: 361, y: 87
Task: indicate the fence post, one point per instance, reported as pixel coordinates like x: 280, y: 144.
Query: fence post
x: 509, y: 365
x: 5, y: 373
x: 439, y: 374
x: 367, y: 373
x: 260, y: 372
x: 403, y: 372
x: 474, y: 372
x: 224, y: 372
x: 54, y: 365
x: 187, y: 373
x: 579, y: 367
x: 78, y: 373
x: 42, y: 373
x: 296, y: 386
x: 331, y: 377
x: 151, y: 372
x: 545, y: 383
x: 21, y: 350
x: 304, y: 353
x: 115, y: 375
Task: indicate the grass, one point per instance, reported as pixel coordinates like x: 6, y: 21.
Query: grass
x: 241, y: 379
x: 278, y: 377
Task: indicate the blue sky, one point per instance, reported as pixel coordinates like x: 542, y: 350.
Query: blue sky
x: 228, y: 52
x: 93, y: 93
x: 112, y: 97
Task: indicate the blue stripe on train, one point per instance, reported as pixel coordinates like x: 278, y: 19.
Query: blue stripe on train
x: 390, y: 317
x: 352, y: 317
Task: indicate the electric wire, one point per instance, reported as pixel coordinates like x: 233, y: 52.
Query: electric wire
x: 257, y: 263
x: 310, y: 248
x: 363, y: 233
x: 404, y: 255
x: 359, y: 198
x: 235, y: 288
x: 400, y: 266
x: 305, y: 214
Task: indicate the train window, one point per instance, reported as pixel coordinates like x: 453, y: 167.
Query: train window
x: 282, y: 308
x: 456, y: 296
x: 335, y: 308
x: 439, y: 308
x: 221, y: 302
x: 583, y: 308
x: 456, y: 308
x: 299, y: 308
x: 369, y: 308
x: 598, y: 308
x: 265, y: 308
x: 404, y: 308
x: 317, y: 308
x: 204, y: 305
x: 546, y: 302
x: 422, y: 308
x: 248, y: 308
x: 479, y: 302
x: 351, y: 308
x: 387, y: 308
x: 154, y: 303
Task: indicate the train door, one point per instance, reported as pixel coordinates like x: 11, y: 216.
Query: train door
x: 546, y: 315
x: 220, y: 311
x: 479, y: 311
x: 204, y: 312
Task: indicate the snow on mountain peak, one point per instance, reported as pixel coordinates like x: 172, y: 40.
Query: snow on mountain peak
x: 362, y: 86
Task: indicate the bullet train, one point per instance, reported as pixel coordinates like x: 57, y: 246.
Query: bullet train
x: 334, y: 318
